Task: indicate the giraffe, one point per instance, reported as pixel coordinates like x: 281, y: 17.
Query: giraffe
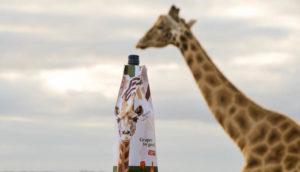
x: 269, y: 141
x: 127, y: 119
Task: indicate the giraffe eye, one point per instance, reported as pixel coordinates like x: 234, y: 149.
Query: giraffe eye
x: 135, y: 119
x: 160, y: 27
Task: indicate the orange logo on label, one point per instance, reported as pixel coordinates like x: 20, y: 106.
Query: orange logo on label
x: 151, y: 152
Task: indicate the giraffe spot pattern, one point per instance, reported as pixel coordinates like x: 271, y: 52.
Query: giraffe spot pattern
x: 242, y: 121
x: 199, y: 58
x: 292, y: 134
x: 259, y: 134
x: 260, y: 149
x: 184, y: 46
x: 197, y: 74
x: 275, y: 155
x: 126, y: 164
x: 207, y: 67
x: 188, y: 34
x: 274, y: 169
x: 240, y: 99
x: 253, y: 162
x: 223, y: 98
x: 256, y: 112
x: 207, y: 95
x: 275, y: 118
x: 212, y: 80
x: 126, y: 154
x: 220, y: 117
x: 182, y: 38
x: 294, y: 148
x: 232, y: 110
x: 233, y: 132
x: 193, y: 47
x: 242, y: 144
x: 190, y: 60
x: 290, y: 162
x: 284, y: 126
x: 274, y: 136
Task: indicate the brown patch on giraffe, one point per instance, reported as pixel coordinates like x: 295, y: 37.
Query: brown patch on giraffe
x: 220, y: 117
x: 290, y: 162
x: 207, y: 95
x: 274, y: 169
x: 294, y: 148
x: 275, y: 155
x: 212, y: 80
x: 242, y: 143
x: 292, y: 134
x: 240, y: 99
x: 223, y: 98
x: 126, y: 155
x: 197, y: 74
x: 182, y: 38
x: 275, y: 118
x: 256, y: 112
x: 184, y: 47
x: 199, y: 58
x: 208, y: 67
x: 188, y: 34
x: 126, y: 164
x: 274, y: 136
x: 259, y: 134
x: 233, y: 132
x: 242, y: 121
x: 284, y: 126
x: 189, y: 60
x: 260, y: 149
x: 253, y: 162
x: 232, y: 110
x: 193, y: 47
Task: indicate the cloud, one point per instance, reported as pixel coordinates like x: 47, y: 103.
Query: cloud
x: 61, y: 65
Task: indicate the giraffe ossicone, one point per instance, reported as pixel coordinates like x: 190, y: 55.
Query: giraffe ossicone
x: 269, y: 141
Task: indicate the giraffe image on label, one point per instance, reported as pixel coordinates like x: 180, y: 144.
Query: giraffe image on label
x: 134, y: 123
x: 127, y: 119
x: 269, y: 141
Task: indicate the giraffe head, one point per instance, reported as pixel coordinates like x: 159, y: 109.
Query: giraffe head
x: 165, y: 31
x: 127, y: 118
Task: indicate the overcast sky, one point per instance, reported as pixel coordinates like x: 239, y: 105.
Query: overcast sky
x: 61, y: 64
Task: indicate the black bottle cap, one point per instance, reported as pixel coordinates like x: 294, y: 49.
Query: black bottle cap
x: 133, y: 59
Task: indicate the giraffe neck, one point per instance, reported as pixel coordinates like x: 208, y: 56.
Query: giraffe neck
x: 123, y: 156
x: 264, y: 136
x: 222, y: 97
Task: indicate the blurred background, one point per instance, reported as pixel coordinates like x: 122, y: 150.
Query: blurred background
x: 61, y: 63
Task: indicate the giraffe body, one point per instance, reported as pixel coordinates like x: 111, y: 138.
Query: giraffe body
x: 269, y: 141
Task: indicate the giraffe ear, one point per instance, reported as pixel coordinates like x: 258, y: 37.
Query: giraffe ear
x: 174, y: 13
x: 139, y: 110
x: 191, y: 23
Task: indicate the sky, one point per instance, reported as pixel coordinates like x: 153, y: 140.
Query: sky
x: 61, y: 64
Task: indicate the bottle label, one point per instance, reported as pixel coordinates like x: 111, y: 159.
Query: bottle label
x: 134, y: 135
